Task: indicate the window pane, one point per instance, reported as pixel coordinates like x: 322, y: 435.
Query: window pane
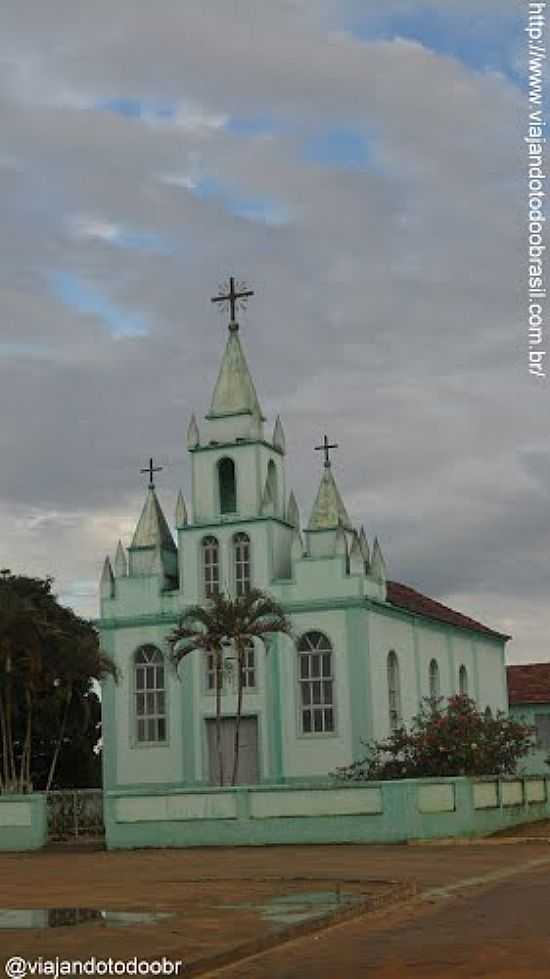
x: 315, y: 664
x: 162, y: 729
x: 150, y: 727
x: 329, y: 720
x: 326, y: 665
x: 160, y: 703
x: 150, y: 681
x: 304, y: 666
x: 141, y: 730
x: 139, y: 679
x: 316, y: 693
x: 306, y: 694
x: 140, y: 703
x: 307, y: 721
x: 318, y: 720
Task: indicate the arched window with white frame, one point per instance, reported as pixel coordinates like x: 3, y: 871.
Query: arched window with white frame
x: 211, y: 566
x: 150, y: 695
x: 463, y: 681
x: 435, y: 686
x: 241, y: 563
x: 394, y: 691
x: 316, y: 684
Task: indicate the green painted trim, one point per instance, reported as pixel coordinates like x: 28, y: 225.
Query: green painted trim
x: 357, y: 642
x: 275, y: 713
x: 108, y: 731
x: 17, y: 837
x: 235, y: 445
x: 139, y: 621
x: 476, y: 672
x: 452, y: 664
x: 235, y: 521
x: 417, y: 670
x: 187, y: 732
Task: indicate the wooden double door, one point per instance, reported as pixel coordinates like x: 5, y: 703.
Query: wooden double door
x: 248, y: 750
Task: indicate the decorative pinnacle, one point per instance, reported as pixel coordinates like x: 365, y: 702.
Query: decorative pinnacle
x: 233, y: 295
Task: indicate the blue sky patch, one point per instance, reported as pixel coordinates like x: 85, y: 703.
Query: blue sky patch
x: 262, y: 210
x: 341, y: 146
x: 83, y: 298
x: 134, y: 108
x: 475, y: 39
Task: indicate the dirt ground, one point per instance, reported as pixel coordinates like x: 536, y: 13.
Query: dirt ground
x: 481, y: 910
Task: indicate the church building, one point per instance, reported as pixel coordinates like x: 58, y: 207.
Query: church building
x: 365, y: 650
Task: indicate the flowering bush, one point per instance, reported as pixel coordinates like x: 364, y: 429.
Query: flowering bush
x: 456, y: 739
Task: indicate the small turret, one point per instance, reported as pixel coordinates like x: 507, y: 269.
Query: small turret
x: 364, y: 545
x: 279, y: 439
x: 107, y: 580
x: 181, y: 512
x: 193, y: 435
x: 377, y: 569
x: 356, y: 559
x: 292, y: 511
x: 121, y: 564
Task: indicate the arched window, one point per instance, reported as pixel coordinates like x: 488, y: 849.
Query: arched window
x: 273, y: 482
x: 227, y: 486
x: 241, y: 557
x: 150, y: 695
x: 316, y: 683
x: 463, y: 681
x: 394, y: 691
x: 434, y: 680
x: 211, y: 566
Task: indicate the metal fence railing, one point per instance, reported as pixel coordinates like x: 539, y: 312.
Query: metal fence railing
x: 75, y: 813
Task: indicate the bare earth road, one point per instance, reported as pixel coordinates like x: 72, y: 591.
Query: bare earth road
x: 499, y: 929
x: 480, y: 910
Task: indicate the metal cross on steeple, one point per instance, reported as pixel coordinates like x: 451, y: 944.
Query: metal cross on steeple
x: 326, y: 447
x: 151, y: 469
x: 233, y: 295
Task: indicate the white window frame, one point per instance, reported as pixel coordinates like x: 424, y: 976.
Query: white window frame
x: 210, y: 580
x: 463, y: 682
x: 434, y: 680
x: 150, y: 698
x: 250, y: 672
x: 242, y: 566
x: 306, y: 701
x: 394, y: 691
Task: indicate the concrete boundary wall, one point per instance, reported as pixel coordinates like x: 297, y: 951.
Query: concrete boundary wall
x: 23, y: 821
x: 373, y: 812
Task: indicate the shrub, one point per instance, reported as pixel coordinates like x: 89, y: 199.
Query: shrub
x: 455, y: 739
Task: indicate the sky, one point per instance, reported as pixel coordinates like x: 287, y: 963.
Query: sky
x: 360, y: 166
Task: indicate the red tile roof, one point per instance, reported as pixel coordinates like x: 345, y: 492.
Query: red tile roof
x: 529, y: 684
x: 407, y: 598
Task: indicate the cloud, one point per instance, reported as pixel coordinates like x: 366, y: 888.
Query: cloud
x: 358, y: 165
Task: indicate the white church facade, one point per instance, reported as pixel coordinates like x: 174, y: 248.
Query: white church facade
x: 365, y: 649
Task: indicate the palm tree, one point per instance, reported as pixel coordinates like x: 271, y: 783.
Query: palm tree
x: 229, y: 621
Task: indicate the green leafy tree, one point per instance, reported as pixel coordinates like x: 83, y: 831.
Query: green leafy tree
x: 48, y: 658
x: 455, y: 739
x: 224, y: 621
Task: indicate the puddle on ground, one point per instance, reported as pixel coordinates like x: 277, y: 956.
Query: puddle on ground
x: 64, y: 917
x: 291, y: 908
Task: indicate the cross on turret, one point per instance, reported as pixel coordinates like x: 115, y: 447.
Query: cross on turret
x: 326, y: 447
x: 151, y: 469
x: 233, y: 296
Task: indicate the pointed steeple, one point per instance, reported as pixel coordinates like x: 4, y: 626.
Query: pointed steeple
x: 152, y: 529
x: 377, y: 568
x: 107, y: 580
x: 328, y: 510
x: 181, y: 511
x: 292, y: 511
x: 279, y: 439
x: 121, y: 564
x: 234, y: 393
x: 193, y: 435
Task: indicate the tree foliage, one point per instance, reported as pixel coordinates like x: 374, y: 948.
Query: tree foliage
x: 48, y: 659
x: 446, y: 740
